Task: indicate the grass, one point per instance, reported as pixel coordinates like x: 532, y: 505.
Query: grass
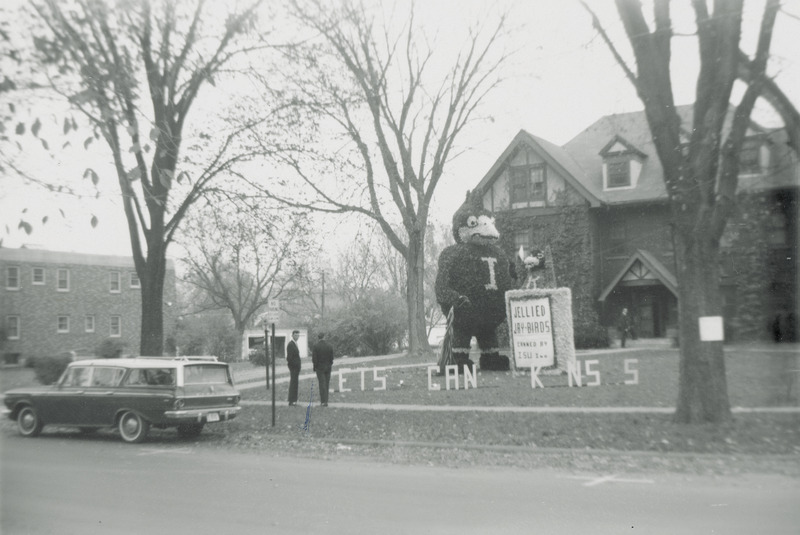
x: 755, y: 379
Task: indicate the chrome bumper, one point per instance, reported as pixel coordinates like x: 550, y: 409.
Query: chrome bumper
x: 201, y: 415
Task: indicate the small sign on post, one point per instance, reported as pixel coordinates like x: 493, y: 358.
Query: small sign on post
x: 273, y: 311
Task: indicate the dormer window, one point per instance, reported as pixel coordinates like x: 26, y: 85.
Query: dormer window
x: 622, y: 164
x: 754, y: 156
x: 619, y: 173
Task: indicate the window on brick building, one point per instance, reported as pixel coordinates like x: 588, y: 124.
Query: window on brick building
x: 115, y: 328
x: 62, y: 324
x: 12, y: 278
x: 135, y: 282
x: 12, y: 327
x: 37, y: 276
x: 114, y: 282
x: 63, y: 280
x: 88, y: 324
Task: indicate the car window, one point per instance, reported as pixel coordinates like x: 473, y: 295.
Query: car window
x: 77, y: 376
x: 151, y: 377
x: 104, y: 376
x: 199, y: 374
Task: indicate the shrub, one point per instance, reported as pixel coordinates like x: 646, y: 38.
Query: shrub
x: 110, y: 348
x: 591, y: 336
x: 257, y: 357
x: 49, y: 369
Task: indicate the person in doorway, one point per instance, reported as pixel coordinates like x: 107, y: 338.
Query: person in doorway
x: 293, y: 361
x: 625, y: 326
x: 322, y: 358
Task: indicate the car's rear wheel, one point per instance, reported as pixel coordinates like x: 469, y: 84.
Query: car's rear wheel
x: 133, y: 428
x: 28, y: 422
x: 190, y: 430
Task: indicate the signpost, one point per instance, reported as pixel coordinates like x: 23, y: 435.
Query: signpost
x: 273, y: 315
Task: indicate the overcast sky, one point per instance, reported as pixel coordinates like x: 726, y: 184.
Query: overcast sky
x: 564, y: 79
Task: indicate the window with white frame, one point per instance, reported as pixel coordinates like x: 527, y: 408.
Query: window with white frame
x: 12, y: 327
x: 63, y: 280
x: 37, y: 276
x: 115, y: 328
x: 619, y: 173
x: 135, y: 282
x: 62, y: 324
x: 114, y: 282
x: 12, y: 278
x: 88, y: 323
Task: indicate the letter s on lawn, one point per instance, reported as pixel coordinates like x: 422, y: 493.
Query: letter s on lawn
x: 634, y: 372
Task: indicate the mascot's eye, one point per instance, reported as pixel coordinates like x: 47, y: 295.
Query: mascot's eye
x: 472, y: 221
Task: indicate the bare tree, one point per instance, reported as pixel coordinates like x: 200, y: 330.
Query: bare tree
x: 701, y: 177
x: 239, y: 261
x: 391, y: 111
x: 135, y: 69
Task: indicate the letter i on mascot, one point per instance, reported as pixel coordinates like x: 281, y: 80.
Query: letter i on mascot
x: 471, y: 284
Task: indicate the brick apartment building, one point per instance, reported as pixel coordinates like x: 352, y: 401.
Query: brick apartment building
x: 600, y: 203
x: 55, y: 302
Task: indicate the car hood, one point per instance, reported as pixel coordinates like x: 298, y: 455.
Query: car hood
x: 22, y: 391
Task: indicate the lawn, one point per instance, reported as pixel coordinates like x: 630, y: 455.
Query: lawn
x: 754, y: 380
x: 751, y: 441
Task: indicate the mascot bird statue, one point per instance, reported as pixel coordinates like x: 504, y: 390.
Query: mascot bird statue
x: 473, y: 277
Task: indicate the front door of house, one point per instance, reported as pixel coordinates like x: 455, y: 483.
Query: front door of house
x: 644, y: 314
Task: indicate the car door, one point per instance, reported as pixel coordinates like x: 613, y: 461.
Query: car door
x: 101, y: 397
x: 64, y: 404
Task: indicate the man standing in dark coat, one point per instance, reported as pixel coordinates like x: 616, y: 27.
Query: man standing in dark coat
x: 293, y: 361
x: 322, y: 358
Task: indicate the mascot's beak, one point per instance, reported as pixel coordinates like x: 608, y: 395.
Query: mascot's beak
x: 483, y: 231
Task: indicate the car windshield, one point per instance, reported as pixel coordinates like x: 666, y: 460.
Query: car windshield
x: 199, y: 374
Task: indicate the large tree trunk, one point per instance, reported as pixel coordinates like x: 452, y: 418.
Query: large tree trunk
x: 415, y: 293
x: 152, y: 334
x: 702, y: 386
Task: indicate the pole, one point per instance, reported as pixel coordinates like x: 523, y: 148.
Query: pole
x: 272, y: 342
x: 266, y: 351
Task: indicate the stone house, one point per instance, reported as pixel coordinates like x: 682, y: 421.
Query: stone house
x: 600, y: 203
x: 56, y: 302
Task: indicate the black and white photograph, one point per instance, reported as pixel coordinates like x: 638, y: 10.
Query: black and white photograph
x: 399, y: 266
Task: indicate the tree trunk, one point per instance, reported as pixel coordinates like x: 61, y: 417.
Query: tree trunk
x: 152, y: 334
x: 415, y: 293
x: 702, y: 386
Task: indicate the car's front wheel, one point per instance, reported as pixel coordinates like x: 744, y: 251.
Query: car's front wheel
x: 28, y: 422
x: 133, y: 428
x: 190, y: 430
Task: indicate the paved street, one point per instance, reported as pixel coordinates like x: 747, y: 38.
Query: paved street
x: 82, y: 485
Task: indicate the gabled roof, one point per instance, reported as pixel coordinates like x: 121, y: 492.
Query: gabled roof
x: 652, y: 264
x: 629, y: 147
x: 585, y: 149
x: 555, y: 156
